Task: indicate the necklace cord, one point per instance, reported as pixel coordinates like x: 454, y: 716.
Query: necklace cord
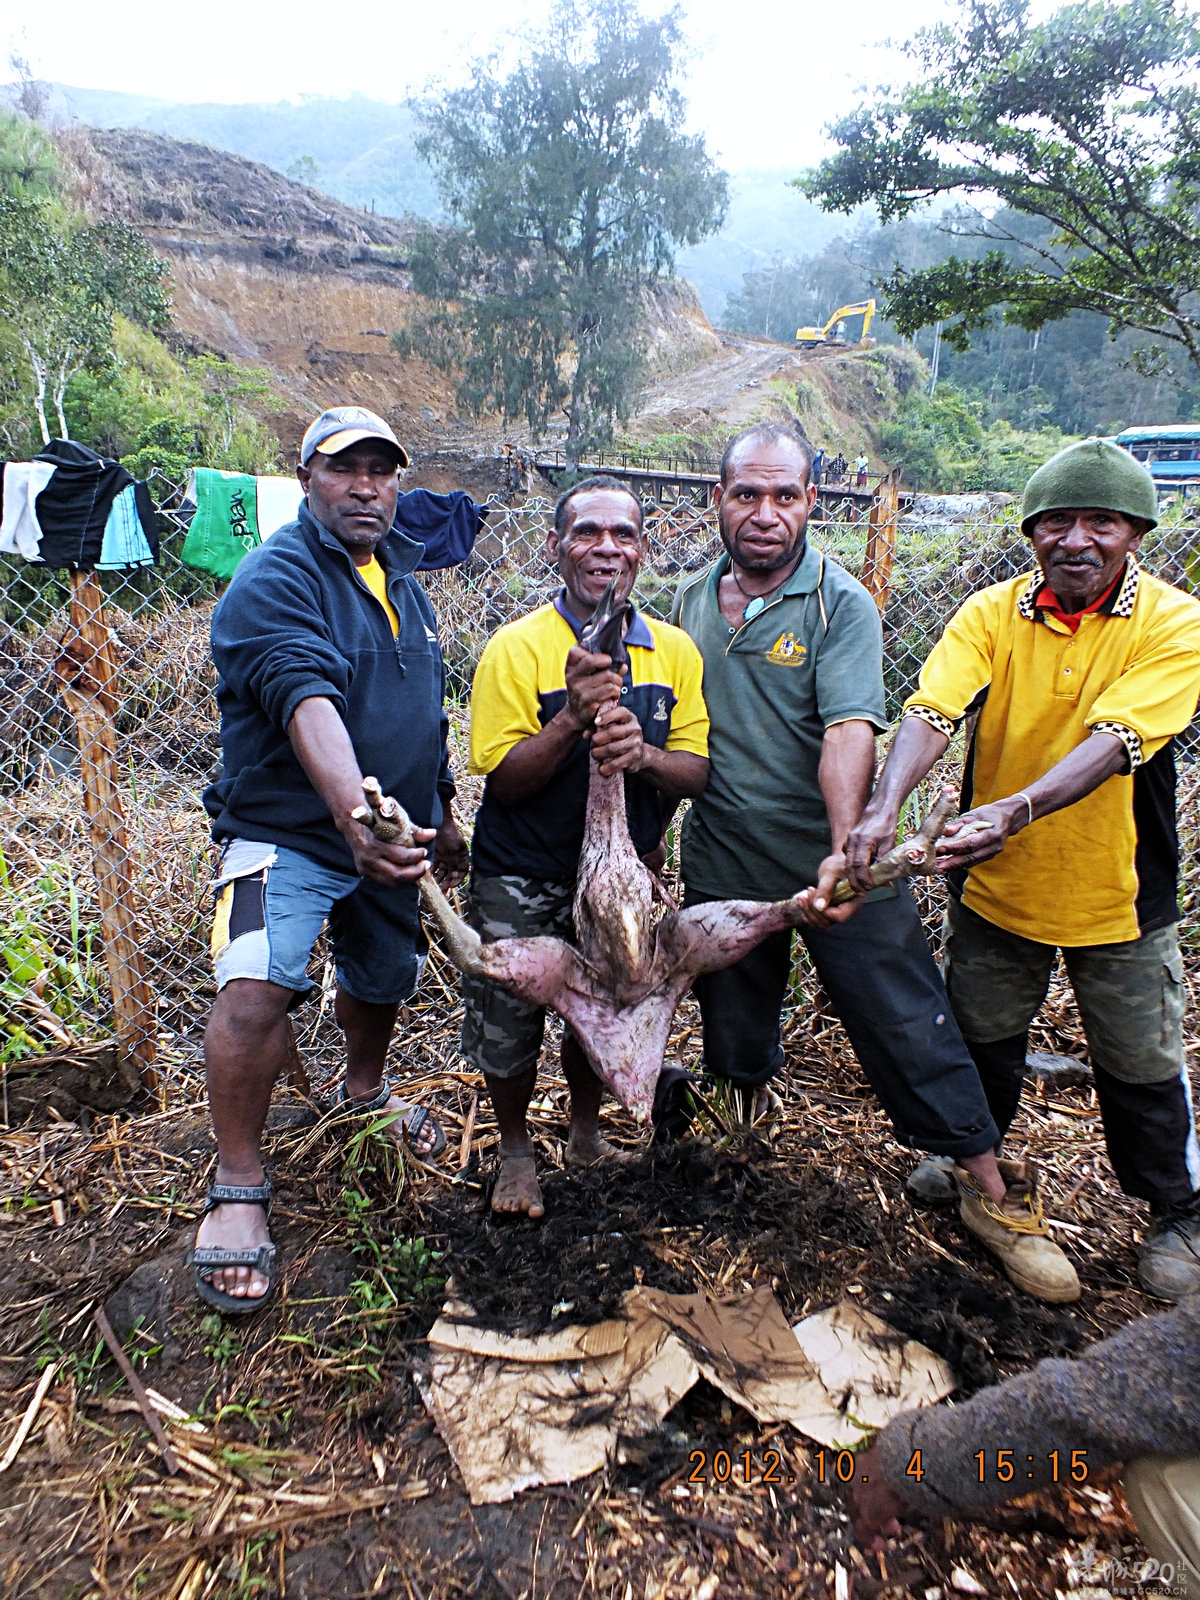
x: 766, y: 594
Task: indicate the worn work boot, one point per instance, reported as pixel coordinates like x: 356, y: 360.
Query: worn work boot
x: 1169, y: 1262
x: 1017, y: 1233
x: 932, y: 1180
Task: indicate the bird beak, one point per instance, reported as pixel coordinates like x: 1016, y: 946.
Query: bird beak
x: 603, y: 633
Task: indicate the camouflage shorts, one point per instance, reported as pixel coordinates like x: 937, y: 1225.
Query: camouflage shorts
x: 1131, y: 996
x: 502, y: 1035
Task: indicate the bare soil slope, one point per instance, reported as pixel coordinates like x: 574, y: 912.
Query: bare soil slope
x: 838, y: 395
x: 277, y: 275
x: 274, y: 274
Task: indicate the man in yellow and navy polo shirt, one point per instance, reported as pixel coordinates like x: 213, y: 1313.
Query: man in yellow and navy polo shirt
x: 533, y: 734
x: 1082, y: 675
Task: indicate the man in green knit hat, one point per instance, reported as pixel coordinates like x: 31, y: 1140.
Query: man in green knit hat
x: 1082, y: 674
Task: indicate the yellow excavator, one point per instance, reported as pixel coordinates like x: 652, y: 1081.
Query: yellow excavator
x: 834, y: 331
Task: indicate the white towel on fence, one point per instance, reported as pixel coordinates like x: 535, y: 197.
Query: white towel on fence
x: 278, y: 503
x: 20, y: 530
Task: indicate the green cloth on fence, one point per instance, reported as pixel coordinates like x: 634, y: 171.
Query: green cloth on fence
x: 225, y: 527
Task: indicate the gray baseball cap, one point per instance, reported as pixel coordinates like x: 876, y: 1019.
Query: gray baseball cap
x: 339, y: 428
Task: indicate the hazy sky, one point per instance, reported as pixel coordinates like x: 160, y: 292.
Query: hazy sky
x: 766, y: 75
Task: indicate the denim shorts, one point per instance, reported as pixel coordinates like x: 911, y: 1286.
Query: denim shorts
x: 271, y: 904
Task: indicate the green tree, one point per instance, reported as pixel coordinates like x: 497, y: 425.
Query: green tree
x: 944, y: 444
x: 232, y: 435
x: 28, y: 166
x: 118, y: 410
x: 304, y: 170
x: 1087, y: 126
x: 571, y: 183
x: 61, y: 284
x: 29, y: 170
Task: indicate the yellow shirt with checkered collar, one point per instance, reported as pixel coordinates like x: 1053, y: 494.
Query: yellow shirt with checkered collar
x: 1103, y: 870
x: 520, y: 684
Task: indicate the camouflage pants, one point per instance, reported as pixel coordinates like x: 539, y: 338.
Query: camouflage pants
x: 1131, y: 998
x: 502, y: 1035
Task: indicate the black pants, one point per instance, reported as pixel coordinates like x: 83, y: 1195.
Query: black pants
x: 1131, y: 999
x: 1147, y: 1126
x: 883, y: 982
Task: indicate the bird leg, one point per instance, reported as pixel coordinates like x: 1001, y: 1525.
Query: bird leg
x: 391, y: 824
x: 716, y: 933
x: 915, y: 857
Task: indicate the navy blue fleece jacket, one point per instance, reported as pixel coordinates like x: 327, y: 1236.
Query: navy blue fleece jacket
x: 298, y: 621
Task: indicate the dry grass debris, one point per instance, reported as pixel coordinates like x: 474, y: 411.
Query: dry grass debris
x: 307, y: 1464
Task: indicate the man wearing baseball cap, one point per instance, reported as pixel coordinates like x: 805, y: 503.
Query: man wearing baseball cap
x: 1082, y: 674
x: 328, y: 670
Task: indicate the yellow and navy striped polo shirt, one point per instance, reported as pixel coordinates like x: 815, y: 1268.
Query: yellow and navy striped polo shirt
x: 520, y: 684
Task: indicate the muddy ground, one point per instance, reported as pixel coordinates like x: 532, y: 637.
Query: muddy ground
x: 308, y: 1466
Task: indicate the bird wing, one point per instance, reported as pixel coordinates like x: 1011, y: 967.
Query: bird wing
x: 717, y: 933
x: 538, y: 970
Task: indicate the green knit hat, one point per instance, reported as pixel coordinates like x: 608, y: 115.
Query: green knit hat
x: 1093, y: 472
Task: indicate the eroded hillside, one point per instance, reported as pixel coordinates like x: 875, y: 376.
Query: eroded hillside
x: 841, y: 396
x: 274, y: 274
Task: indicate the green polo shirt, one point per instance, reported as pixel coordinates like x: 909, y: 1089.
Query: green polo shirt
x: 812, y: 657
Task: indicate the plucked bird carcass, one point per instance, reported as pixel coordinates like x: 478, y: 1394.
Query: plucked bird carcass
x: 618, y: 986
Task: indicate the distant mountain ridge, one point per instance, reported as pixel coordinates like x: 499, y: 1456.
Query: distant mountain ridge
x: 364, y: 153
x: 363, y: 150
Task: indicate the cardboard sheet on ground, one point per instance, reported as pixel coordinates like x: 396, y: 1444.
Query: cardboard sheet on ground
x: 516, y: 1412
x: 869, y: 1372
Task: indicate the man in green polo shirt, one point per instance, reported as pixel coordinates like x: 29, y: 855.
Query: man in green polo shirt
x: 793, y: 681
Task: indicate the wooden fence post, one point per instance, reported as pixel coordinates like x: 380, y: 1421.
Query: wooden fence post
x: 86, y: 669
x: 881, y: 541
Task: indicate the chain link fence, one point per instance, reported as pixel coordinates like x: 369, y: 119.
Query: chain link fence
x: 54, y: 988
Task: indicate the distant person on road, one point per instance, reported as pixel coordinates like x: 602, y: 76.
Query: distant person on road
x: 1081, y: 674
x: 837, y: 468
x: 861, y: 467
x: 793, y: 678
x: 818, y: 468
x: 328, y: 670
x: 534, y: 704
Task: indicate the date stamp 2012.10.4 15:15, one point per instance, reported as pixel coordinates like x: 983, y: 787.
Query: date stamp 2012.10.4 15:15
x: 746, y: 1467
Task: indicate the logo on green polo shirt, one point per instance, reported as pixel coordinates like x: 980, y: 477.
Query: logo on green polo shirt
x: 787, y: 651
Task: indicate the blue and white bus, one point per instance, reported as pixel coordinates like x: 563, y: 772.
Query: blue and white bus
x: 1172, y: 453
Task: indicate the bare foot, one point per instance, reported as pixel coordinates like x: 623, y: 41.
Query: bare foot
x: 767, y: 1105
x: 236, y: 1227
x: 517, y: 1188
x: 424, y: 1142
x: 583, y: 1149
x: 757, y: 1110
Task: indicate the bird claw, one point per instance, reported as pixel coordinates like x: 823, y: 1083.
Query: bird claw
x: 386, y: 817
x: 604, y: 632
x: 915, y: 857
